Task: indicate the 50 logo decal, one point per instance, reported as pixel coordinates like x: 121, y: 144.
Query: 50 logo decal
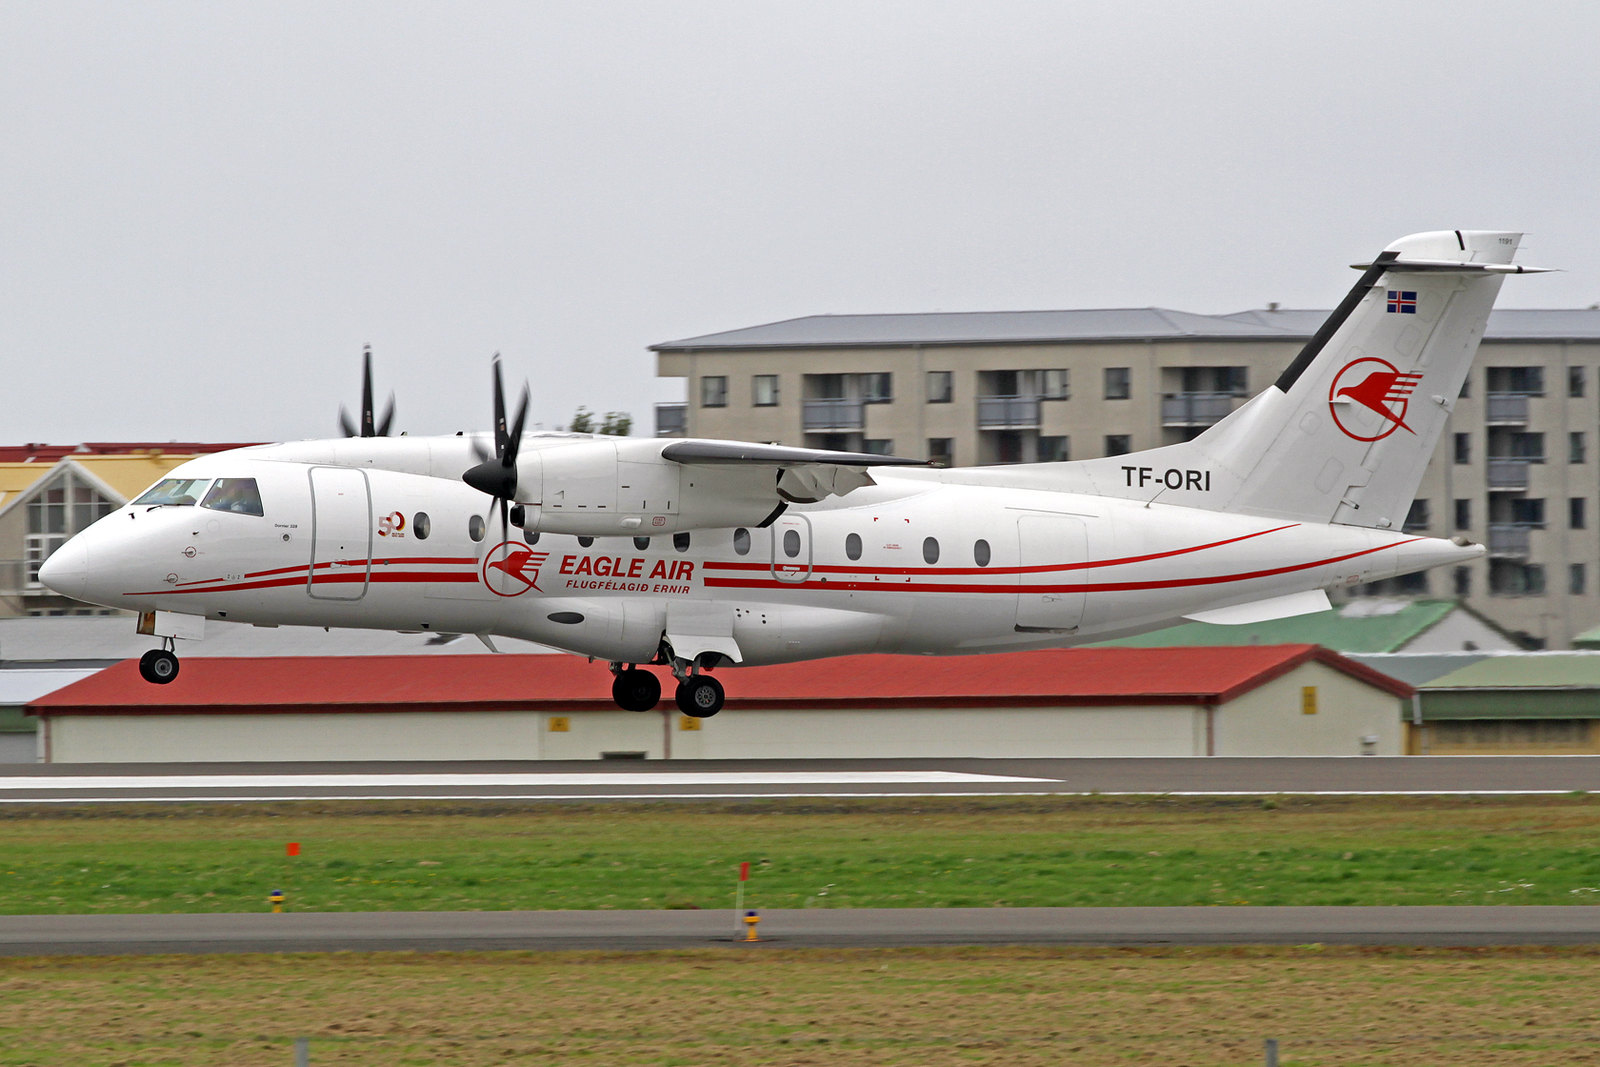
x: 392, y: 525
x: 1370, y: 387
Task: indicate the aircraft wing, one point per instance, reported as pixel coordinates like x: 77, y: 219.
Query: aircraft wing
x: 803, y: 475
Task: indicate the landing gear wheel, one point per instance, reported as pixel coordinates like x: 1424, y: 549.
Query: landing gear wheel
x: 700, y: 696
x: 158, y: 666
x: 636, y: 690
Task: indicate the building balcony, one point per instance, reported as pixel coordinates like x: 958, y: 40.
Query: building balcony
x: 1505, y: 409
x: 1511, y: 540
x: 833, y: 414
x: 1180, y: 410
x: 1008, y: 413
x: 1510, y: 475
x: 671, y: 420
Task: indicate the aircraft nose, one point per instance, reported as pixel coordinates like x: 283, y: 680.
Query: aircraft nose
x: 67, y: 569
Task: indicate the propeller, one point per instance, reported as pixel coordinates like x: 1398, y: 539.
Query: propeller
x: 496, y: 475
x: 368, y: 427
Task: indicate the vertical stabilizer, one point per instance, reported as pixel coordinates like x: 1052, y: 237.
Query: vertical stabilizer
x: 1345, y: 432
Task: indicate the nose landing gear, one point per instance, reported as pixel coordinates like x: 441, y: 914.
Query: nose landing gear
x: 159, y: 665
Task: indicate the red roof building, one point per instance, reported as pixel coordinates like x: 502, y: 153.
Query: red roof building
x: 1289, y: 699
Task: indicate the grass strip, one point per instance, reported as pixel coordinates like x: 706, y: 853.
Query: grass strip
x: 867, y: 853
x: 1019, y: 1007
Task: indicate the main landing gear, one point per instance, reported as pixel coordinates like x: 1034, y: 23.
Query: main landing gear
x: 159, y: 665
x: 698, y: 695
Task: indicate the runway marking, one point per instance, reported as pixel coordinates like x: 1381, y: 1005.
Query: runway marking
x: 595, y: 778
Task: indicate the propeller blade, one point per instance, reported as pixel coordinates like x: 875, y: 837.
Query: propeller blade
x: 499, y: 410
x: 514, y: 441
x: 347, y: 427
x: 388, y: 418
x: 367, y: 429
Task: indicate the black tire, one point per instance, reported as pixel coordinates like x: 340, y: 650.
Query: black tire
x: 158, y: 666
x: 636, y: 690
x: 700, y: 697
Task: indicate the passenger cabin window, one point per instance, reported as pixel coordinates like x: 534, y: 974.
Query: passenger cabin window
x: 680, y: 541
x: 476, y: 528
x: 980, y: 552
x: 174, y: 492
x: 238, y: 495
x: 421, y: 525
x: 930, y: 550
x: 852, y: 546
x: 741, y: 541
x: 585, y: 542
x: 642, y: 543
x: 791, y: 543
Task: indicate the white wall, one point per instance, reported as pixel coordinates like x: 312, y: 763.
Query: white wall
x: 1269, y: 721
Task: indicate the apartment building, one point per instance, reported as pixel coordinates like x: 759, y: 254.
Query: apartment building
x: 1518, y: 468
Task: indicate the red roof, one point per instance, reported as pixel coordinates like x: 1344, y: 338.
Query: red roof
x: 42, y: 453
x: 1089, y: 676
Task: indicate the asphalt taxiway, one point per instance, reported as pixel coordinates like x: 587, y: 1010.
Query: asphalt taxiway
x: 36, y: 935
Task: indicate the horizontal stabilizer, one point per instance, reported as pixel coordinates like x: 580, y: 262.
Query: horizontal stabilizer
x: 1278, y: 607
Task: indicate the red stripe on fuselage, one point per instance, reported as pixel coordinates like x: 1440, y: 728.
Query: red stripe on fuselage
x: 1033, y: 569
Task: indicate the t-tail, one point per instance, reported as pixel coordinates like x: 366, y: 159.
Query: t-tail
x: 1345, y: 432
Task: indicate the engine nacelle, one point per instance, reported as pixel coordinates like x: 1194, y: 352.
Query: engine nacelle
x: 601, y: 487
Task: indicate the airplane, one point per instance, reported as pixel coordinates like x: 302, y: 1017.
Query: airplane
x: 695, y: 555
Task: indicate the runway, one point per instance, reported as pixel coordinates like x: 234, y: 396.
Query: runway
x: 594, y: 781
x: 33, y: 935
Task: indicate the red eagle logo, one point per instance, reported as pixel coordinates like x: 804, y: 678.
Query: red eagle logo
x: 511, y: 568
x: 1375, y: 386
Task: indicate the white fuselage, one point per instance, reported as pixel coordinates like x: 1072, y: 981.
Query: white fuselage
x: 922, y: 562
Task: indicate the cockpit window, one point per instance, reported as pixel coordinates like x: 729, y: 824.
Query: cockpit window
x: 238, y: 495
x: 174, y: 492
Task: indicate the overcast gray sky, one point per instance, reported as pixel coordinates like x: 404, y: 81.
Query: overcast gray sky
x: 206, y: 209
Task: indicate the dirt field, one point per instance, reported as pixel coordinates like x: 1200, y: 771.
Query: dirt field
x: 735, y: 1006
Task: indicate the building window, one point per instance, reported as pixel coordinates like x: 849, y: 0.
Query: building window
x: 1417, y: 518
x: 1522, y: 381
x: 1576, y: 447
x: 1576, y: 513
x: 714, y: 391
x: 1510, y: 578
x: 941, y: 386
x: 1528, y: 512
x: 1054, y: 449
x: 877, y: 388
x: 941, y: 451
x: 764, y: 391
x: 878, y: 446
x: 1118, y: 382
x: 1463, y: 581
x: 54, y: 515
x: 1466, y: 387
x: 1577, y: 579
x: 1054, y: 385
x: 1118, y: 444
x: 1574, y: 381
x: 1463, y: 514
x: 1226, y: 381
x: 1463, y: 448
x: 1528, y: 446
